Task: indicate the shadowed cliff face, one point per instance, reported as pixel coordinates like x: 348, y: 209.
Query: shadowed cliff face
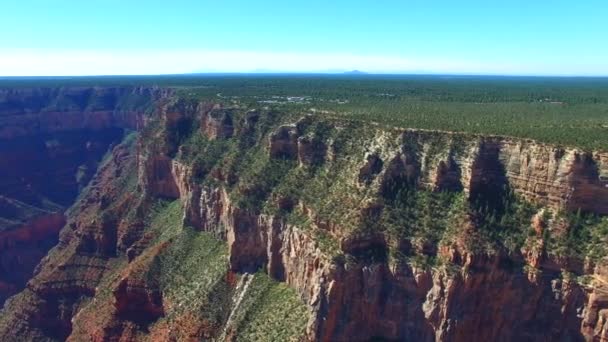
x: 51, y: 142
x: 53, y: 138
x: 22, y: 248
x: 379, y: 234
x: 52, y: 167
x: 474, y: 296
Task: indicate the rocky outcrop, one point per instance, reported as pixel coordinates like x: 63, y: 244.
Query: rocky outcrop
x: 367, y: 300
x: 595, y: 313
x: 158, y: 179
x: 283, y: 143
x: 33, y: 111
x: 543, y: 174
x: 372, y: 167
x: 311, y: 150
x: 362, y: 300
x: 138, y: 303
x: 447, y: 176
x: 72, y: 270
x: 21, y: 249
x: 557, y: 177
x: 403, y: 171
x: 588, y: 192
x: 137, y: 295
x: 51, y: 141
x: 354, y: 291
x: 218, y: 124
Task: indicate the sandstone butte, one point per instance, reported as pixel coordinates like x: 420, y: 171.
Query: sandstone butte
x: 172, y: 237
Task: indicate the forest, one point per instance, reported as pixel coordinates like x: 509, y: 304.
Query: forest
x: 569, y: 111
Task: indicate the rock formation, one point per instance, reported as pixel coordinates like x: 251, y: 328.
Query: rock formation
x: 51, y: 141
x: 341, y: 243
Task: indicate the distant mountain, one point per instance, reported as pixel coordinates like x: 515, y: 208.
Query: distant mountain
x: 355, y: 72
x: 284, y: 72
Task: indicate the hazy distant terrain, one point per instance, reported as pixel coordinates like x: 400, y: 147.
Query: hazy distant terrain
x: 568, y: 111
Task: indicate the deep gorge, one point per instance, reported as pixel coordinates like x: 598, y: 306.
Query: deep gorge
x: 172, y: 218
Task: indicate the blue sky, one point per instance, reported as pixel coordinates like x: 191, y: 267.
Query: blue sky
x: 534, y: 37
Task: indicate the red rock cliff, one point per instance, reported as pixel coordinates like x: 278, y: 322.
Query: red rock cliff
x: 475, y: 296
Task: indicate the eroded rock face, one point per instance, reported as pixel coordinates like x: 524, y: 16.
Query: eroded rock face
x: 138, y: 300
x: 217, y: 124
x: 372, y: 167
x: 402, y: 172
x: 283, y: 143
x: 311, y: 151
x: 448, y: 177
x: 589, y: 193
x: 51, y: 142
x: 45, y: 308
x: 21, y: 249
x: 595, y: 314
x: 158, y: 177
x: 251, y: 119
x: 33, y: 111
x: 377, y: 300
x: 543, y: 174
x: 484, y: 296
x: 557, y: 177
x: 485, y: 299
x: 488, y: 183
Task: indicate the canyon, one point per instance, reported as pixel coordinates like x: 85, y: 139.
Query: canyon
x: 136, y: 214
x: 51, y: 143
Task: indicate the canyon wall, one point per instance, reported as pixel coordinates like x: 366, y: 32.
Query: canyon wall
x: 105, y: 261
x: 486, y: 297
x: 51, y: 141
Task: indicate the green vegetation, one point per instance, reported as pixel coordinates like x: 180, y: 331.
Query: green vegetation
x: 561, y: 111
x: 191, y: 271
x: 587, y: 235
x: 418, y: 214
x: 564, y: 111
x: 205, y: 154
x: 164, y: 219
x: 192, y: 276
x: 243, y: 158
x: 259, y: 183
x: 270, y: 311
x: 503, y: 218
x: 260, y: 179
x: 430, y: 218
x: 392, y: 205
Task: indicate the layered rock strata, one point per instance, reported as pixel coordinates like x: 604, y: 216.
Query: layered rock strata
x: 527, y: 294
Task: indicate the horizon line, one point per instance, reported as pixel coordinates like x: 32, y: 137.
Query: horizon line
x: 21, y: 63
x: 308, y: 73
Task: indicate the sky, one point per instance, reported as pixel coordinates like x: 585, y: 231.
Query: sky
x: 113, y: 37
